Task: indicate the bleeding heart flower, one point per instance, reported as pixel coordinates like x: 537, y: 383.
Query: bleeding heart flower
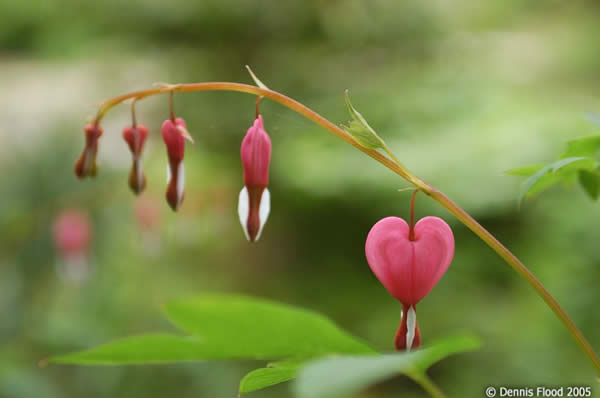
x: 135, y: 137
x: 174, y: 134
x: 72, y: 232
x: 86, y: 164
x: 409, y: 265
x: 255, y: 200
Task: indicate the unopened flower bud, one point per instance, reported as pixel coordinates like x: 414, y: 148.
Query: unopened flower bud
x: 174, y: 135
x: 255, y: 200
x: 86, y: 164
x: 135, y: 137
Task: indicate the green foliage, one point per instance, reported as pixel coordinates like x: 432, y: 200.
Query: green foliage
x: 144, y: 349
x: 590, y: 181
x: 244, y: 327
x: 238, y: 327
x: 343, y: 376
x: 360, y: 129
x: 274, y: 373
x: 578, y: 163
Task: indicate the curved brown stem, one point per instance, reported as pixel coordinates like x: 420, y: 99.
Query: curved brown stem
x: 394, y: 165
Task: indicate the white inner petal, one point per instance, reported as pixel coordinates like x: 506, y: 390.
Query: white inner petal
x: 168, y: 173
x: 244, y: 210
x: 180, y: 183
x: 411, y: 324
x: 263, y: 210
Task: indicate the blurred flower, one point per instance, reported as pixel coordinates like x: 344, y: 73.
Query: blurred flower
x: 147, y: 216
x: 72, y: 233
x: 255, y: 200
x: 174, y: 133
x: 409, y: 268
x: 86, y: 164
x: 135, y: 136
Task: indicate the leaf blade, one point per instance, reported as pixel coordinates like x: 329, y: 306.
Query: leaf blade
x: 360, y: 130
x: 590, y: 182
x: 143, y: 349
x: 270, y: 330
x: 344, y: 376
x: 274, y: 373
x: 575, y: 163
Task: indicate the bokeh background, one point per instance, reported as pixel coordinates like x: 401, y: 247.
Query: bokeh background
x: 461, y: 90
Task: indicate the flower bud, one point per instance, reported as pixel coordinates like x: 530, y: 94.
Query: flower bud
x: 409, y: 268
x: 135, y: 137
x: 86, y: 164
x: 72, y: 233
x: 174, y: 134
x: 255, y: 200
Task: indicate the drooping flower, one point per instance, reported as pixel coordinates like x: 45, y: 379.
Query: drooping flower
x: 255, y: 200
x: 72, y: 233
x: 135, y: 136
x: 86, y: 163
x: 174, y: 134
x: 409, y: 268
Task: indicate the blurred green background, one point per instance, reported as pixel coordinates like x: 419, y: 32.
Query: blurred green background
x: 461, y: 91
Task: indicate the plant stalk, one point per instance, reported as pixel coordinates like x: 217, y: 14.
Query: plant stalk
x: 391, y: 163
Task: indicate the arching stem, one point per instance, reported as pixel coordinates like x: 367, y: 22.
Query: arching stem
x: 411, y: 227
x: 391, y: 163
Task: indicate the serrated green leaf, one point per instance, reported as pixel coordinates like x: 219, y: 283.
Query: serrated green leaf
x: 585, y: 146
x: 590, y: 181
x: 360, y: 129
x: 151, y: 348
x: 566, y: 164
x: 525, y: 171
x: 246, y: 327
x: 274, y: 373
x: 344, y: 376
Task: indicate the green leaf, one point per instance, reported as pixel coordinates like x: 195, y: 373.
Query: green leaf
x: 590, y: 181
x: 567, y: 164
x: 274, y: 373
x: 256, y: 79
x: 525, y: 171
x: 246, y: 327
x: 228, y: 327
x: 144, y: 349
x: 584, y: 146
x: 360, y: 129
x: 347, y: 375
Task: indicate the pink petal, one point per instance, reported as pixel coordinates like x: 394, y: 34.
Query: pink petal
x: 409, y: 269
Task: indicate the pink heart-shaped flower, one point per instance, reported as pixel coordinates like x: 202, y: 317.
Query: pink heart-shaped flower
x: 409, y: 269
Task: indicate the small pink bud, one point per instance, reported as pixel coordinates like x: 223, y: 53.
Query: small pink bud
x: 409, y: 268
x: 72, y: 233
x: 136, y: 137
x: 174, y: 135
x: 255, y: 200
x: 86, y: 164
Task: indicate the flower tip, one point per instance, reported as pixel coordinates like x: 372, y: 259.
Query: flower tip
x: 253, y: 210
